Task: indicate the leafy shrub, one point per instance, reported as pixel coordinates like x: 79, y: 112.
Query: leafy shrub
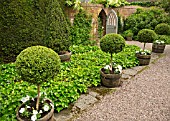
x: 78, y: 74
x: 112, y: 43
x: 145, y: 19
x: 128, y: 33
x: 146, y: 36
x: 23, y: 22
x: 80, y: 31
x: 162, y: 29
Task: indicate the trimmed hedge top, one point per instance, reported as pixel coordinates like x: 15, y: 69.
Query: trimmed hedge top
x: 162, y: 29
x: 112, y: 43
x: 146, y: 35
x: 37, y: 64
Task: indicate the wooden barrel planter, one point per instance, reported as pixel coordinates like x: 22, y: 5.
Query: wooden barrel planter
x: 143, y: 59
x: 48, y: 117
x: 65, y: 56
x: 158, y: 48
x: 110, y: 80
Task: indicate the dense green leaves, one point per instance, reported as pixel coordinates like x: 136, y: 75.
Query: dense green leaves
x: 25, y: 23
x: 145, y: 19
x: 146, y: 36
x: 162, y: 29
x: 112, y: 43
x: 80, y: 31
x: 73, y: 79
x: 37, y: 64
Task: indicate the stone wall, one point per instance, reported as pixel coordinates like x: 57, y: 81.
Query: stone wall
x: 95, y: 10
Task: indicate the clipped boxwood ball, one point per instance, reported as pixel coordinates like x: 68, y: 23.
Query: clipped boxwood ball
x: 112, y: 43
x: 162, y: 29
x: 146, y: 35
x: 37, y: 64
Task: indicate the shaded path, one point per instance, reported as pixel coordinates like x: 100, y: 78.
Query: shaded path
x: 146, y: 97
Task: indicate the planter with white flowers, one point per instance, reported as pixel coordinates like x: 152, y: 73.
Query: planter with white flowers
x: 35, y: 65
x: 158, y: 46
x: 145, y: 36
x: 111, y: 74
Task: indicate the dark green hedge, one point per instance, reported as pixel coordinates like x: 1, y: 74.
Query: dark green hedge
x: 38, y: 21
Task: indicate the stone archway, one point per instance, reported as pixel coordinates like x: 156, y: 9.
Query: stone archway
x: 112, y: 22
x: 102, y: 16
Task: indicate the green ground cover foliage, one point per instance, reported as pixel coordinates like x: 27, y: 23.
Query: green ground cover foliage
x: 73, y: 79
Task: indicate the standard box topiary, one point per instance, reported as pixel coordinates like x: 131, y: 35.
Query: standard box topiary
x: 162, y: 29
x: 36, y: 65
x: 112, y: 43
x: 146, y: 36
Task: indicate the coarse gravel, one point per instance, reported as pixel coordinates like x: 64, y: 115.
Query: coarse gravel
x: 146, y: 97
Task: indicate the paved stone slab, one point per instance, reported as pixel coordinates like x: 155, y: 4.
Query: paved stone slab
x: 85, y: 101
x: 64, y: 115
x: 125, y: 76
x: 130, y: 72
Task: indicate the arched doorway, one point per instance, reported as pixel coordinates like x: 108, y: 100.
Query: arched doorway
x: 102, y: 23
x: 112, y: 22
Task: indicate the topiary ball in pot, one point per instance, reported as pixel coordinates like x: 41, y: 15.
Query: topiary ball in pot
x: 146, y: 36
x: 162, y: 29
x: 112, y: 43
x: 36, y: 65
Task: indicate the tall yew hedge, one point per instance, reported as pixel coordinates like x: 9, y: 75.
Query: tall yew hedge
x: 25, y: 23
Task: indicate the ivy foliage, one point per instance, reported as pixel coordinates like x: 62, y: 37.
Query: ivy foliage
x: 145, y: 19
x: 80, y: 31
x: 25, y: 23
x: 74, y: 78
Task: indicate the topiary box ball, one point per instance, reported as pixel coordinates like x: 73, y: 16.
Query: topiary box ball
x: 146, y: 36
x: 112, y: 43
x: 37, y: 64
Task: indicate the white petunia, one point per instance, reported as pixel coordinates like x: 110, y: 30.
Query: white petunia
x: 22, y: 110
x: 35, y: 112
x: 52, y: 105
x: 46, y: 108
x: 33, y: 117
x: 107, y: 67
x: 25, y: 99
x: 40, y: 111
x: 28, y: 106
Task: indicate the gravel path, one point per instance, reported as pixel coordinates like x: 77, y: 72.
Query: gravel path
x: 146, y: 97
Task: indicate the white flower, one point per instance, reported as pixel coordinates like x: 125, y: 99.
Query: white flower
x: 33, y: 117
x: 40, y: 111
x: 159, y: 42
x: 35, y: 112
x: 46, y: 108
x: 25, y: 99
x: 52, y: 105
x: 28, y: 106
x: 107, y: 67
x: 22, y: 110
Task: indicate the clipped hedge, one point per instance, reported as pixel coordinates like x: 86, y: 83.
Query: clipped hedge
x: 146, y: 36
x: 26, y: 21
x: 162, y: 29
x: 37, y: 64
x: 112, y: 43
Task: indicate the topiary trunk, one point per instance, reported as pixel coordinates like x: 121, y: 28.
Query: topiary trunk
x: 38, y: 98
